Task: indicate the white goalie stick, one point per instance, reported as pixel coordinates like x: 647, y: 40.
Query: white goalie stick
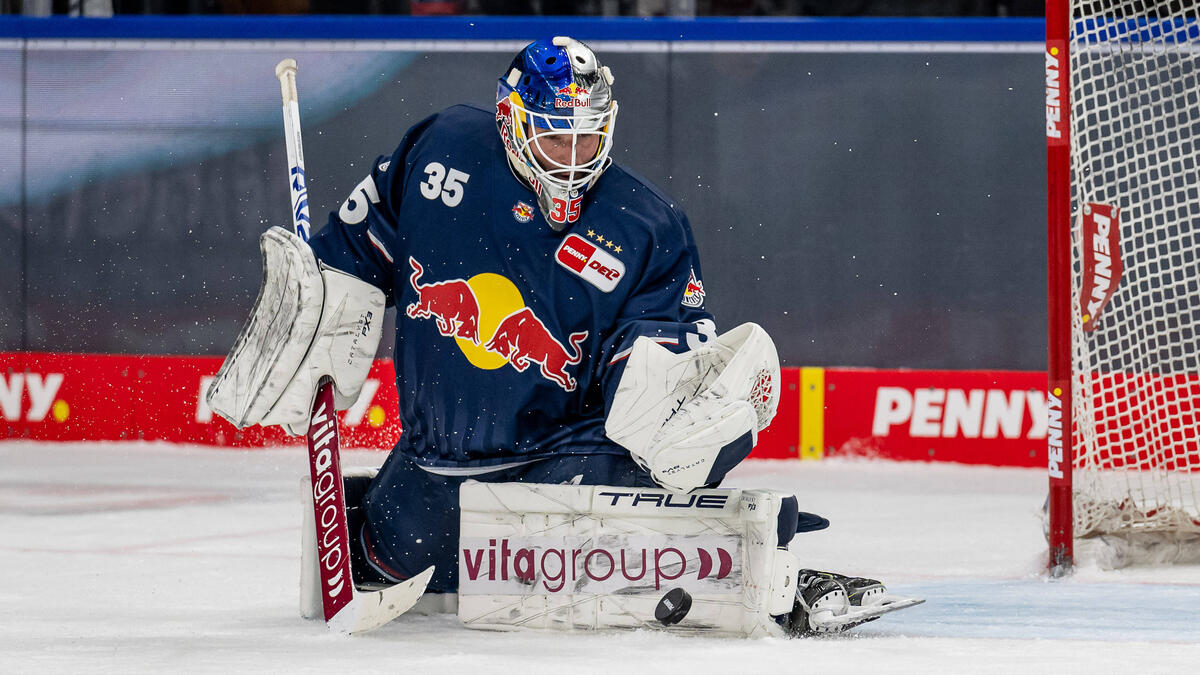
x: 346, y: 609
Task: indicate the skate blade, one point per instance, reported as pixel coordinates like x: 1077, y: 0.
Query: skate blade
x: 828, y: 621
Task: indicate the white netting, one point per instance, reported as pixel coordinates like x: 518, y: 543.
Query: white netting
x: 1135, y: 122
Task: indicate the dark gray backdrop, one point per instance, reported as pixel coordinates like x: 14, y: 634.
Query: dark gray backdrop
x: 869, y: 209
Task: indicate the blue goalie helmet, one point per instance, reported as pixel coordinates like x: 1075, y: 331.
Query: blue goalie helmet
x: 555, y: 113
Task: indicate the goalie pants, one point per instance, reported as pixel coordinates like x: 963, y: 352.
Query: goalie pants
x: 412, y: 516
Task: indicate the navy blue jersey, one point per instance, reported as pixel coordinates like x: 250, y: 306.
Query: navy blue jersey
x: 509, y: 335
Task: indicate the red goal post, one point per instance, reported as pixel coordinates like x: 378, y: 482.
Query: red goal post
x: 1058, y: 206
x: 1123, y: 230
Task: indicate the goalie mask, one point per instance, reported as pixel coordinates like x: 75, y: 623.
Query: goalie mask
x: 555, y: 113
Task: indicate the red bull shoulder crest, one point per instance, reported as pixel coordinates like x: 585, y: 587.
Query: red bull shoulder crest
x: 693, y: 293
x: 523, y: 212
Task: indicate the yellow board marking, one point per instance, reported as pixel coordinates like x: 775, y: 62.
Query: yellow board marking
x: 812, y: 413
x: 376, y: 416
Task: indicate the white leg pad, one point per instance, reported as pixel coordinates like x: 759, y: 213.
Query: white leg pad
x: 586, y: 558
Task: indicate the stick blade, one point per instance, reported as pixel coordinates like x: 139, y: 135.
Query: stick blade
x: 370, y: 610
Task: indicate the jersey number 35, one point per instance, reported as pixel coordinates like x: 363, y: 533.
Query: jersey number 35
x: 449, y: 184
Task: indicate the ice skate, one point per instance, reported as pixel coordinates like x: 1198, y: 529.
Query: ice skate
x: 827, y: 602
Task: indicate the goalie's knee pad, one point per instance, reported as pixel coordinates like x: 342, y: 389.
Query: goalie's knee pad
x: 565, y: 557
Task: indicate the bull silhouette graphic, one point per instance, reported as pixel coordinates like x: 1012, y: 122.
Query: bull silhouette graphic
x: 451, y: 302
x: 521, y: 337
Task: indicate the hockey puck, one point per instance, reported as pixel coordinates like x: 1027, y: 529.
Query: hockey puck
x: 673, y: 607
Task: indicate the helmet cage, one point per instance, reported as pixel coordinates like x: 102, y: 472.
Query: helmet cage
x: 532, y: 131
x: 554, y: 96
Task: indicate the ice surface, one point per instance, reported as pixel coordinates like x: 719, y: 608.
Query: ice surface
x: 154, y: 558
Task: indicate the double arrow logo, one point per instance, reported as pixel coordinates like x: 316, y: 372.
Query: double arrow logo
x: 724, y: 560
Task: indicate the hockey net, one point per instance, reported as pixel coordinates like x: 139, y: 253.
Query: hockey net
x: 1130, y: 362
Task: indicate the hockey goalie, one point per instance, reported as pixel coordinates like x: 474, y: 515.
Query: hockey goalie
x: 569, y: 410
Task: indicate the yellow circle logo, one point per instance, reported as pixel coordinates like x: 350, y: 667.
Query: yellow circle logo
x: 498, y: 297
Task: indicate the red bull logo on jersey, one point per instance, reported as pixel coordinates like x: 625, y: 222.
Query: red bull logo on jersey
x: 451, y: 303
x: 489, y: 321
x: 522, y: 338
x: 693, y: 293
x: 572, y: 96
